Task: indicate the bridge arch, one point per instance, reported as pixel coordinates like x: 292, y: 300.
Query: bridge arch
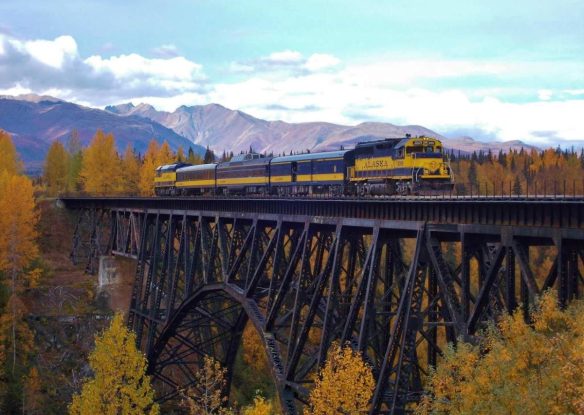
x: 211, y: 323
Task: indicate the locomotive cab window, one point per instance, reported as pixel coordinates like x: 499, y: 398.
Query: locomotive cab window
x: 414, y: 149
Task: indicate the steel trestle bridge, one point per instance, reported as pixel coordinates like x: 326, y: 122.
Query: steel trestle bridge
x: 397, y: 279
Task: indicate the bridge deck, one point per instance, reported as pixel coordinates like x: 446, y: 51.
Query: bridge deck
x: 532, y: 212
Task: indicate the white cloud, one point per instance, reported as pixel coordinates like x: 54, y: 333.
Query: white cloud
x: 289, y: 61
x: 55, y: 66
x: 135, y: 66
x: 283, y: 57
x: 320, y: 61
x: 292, y: 87
x: 544, y: 94
x: 168, y: 50
x: 16, y: 90
x: 388, y: 91
x: 52, y: 53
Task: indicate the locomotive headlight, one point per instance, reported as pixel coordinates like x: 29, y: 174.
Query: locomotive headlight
x: 426, y: 171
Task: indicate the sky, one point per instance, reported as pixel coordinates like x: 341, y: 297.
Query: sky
x: 497, y: 70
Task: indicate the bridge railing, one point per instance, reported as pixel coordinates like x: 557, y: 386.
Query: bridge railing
x: 483, y: 190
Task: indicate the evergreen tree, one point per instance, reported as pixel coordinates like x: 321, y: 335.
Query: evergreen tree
x: 517, y: 190
x: 191, y: 156
x: 502, y: 159
x: 472, y: 173
x: 209, y: 156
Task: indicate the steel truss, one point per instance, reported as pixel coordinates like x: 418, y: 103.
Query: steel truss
x: 397, y: 291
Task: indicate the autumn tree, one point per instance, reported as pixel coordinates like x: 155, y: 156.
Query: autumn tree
x: 101, y: 169
x: 517, y: 368
x: 165, y: 154
x: 9, y: 160
x: 148, y: 169
x: 207, y: 397
x: 119, y: 384
x: 259, y: 407
x: 18, y: 249
x: 18, y: 225
x: 254, y: 355
x: 180, y: 155
x: 56, y: 171
x: 194, y: 158
x: 344, y: 385
x: 32, y: 394
x: 75, y: 151
x: 130, y: 171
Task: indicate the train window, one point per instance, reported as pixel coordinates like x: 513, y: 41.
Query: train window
x: 438, y: 149
x: 399, y: 153
x: 430, y: 149
x: 414, y: 149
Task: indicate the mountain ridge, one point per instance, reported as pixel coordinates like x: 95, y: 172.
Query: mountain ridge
x: 36, y: 123
x: 221, y: 128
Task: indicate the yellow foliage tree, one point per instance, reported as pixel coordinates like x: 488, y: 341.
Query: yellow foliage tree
x: 32, y: 394
x: 180, y: 155
x: 165, y: 155
x: 130, y: 171
x: 345, y: 384
x: 18, y: 221
x: 207, y: 397
x: 56, y: 171
x: 119, y: 385
x: 147, y: 171
x: 526, y: 370
x: 9, y: 160
x: 101, y: 168
x: 16, y: 340
x: 75, y: 153
x: 253, y: 350
x: 259, y: 407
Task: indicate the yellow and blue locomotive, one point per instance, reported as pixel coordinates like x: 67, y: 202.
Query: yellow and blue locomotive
x: 384, y: 167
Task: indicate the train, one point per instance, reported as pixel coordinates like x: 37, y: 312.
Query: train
x: 390, y: 166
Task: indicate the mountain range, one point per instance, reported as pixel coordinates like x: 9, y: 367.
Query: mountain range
x: 35, y: 121
x: 223, y: 129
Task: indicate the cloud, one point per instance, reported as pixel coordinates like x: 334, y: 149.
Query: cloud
x: 400, y: 92
x: 486, y: 99
x: 320, y: 61
x: 287, y: 61
x: 56, y: 65
x: 286, y: 57
x: 166, y: 51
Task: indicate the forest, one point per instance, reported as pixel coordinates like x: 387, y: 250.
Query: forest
x: 520, y: 366
x: 99, y: 169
